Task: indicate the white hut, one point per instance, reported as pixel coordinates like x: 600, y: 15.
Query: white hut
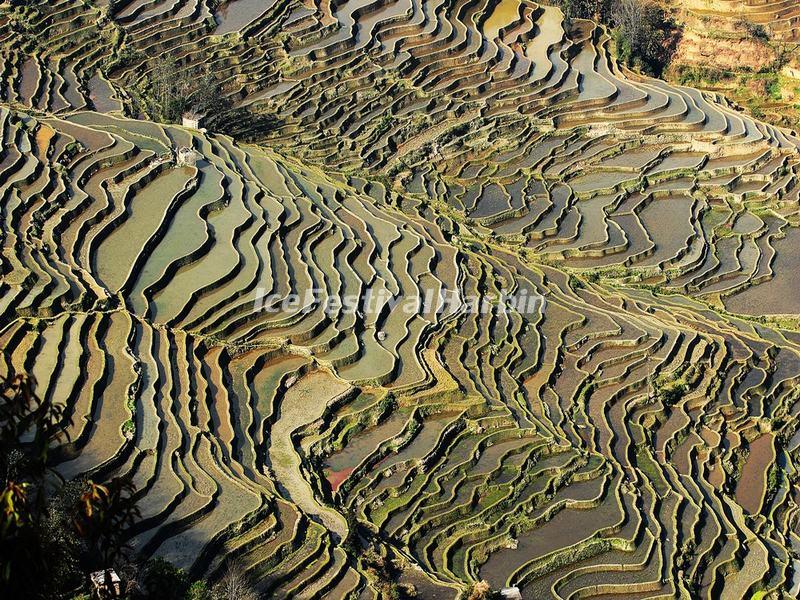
x: 192, y: 119
x: 511, y: 593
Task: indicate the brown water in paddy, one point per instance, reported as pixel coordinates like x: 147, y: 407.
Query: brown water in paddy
x: 425, y: 587
x: 363, y: 443
x: 43, y: 136
x: 750, y: 489
x: 747, y: 223
x: 677, y: 160
x: 780, y: 295
x: 568, y: 527
x: 635, y: 159
x: 505, y: 13
x: 600, y: 180
x: 100, y: 93
x: 236, y: 14
x: 367, y: 23
x: 30, y: 80
x: 492, y: 201
x: 422, y: 443
x: 145, y: 134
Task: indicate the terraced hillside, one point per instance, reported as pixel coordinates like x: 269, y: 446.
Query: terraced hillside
x: 781, y: 17
x: 632, y: 435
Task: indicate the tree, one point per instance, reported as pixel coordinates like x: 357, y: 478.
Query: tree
x: 174, y: 91
x: 104, y: 513
x: 642, y: 32
x: 32, y: 534
x: 51, y: 532
x: 159, y: 579
x: 585, y: 9
x: 234, y: 585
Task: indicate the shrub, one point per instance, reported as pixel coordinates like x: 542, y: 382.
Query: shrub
x: 698, y: 76
x: 773, y: 88
x: 161, y: 579
x: 755, y: 30
x: 586, y: 9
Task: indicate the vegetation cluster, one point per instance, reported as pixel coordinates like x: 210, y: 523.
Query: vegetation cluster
x: 643, y: 31
x: 54, y: 533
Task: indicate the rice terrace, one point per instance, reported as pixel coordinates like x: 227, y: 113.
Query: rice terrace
x: 389, y: 299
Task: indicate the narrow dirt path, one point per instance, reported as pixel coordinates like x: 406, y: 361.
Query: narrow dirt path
x: 303, y: 403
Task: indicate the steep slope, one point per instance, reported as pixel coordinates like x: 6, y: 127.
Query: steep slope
x: 622, y: 433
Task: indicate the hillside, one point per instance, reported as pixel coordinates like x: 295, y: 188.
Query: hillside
x: 631, y: 433
x: 747, y: 51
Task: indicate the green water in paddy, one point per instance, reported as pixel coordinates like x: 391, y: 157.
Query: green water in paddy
x: 253, y: 246
x: 186, y: 233
x: 409, y: 370
x: 46, y: 367
x: 71, y: 371
x: 379, y: 363
x: 220, y: 260
x: 108, y: 411
x: 395, y: 325
x: 116, y: 255
x: 145, y: 134
x: 382, y: 231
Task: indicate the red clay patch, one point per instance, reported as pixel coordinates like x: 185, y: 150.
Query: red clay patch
x: 335, y: 478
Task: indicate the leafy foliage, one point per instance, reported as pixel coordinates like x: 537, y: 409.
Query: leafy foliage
x: 103, y: 514
x: 642, y: 34
x: 586, y: 9
x: 51, y: 533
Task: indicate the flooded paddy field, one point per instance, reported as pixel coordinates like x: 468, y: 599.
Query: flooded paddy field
x: 624, y: 428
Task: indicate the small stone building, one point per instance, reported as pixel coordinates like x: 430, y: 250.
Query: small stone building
x: 192, y: 119
x: 105, y: 584
x: 511, y: 593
